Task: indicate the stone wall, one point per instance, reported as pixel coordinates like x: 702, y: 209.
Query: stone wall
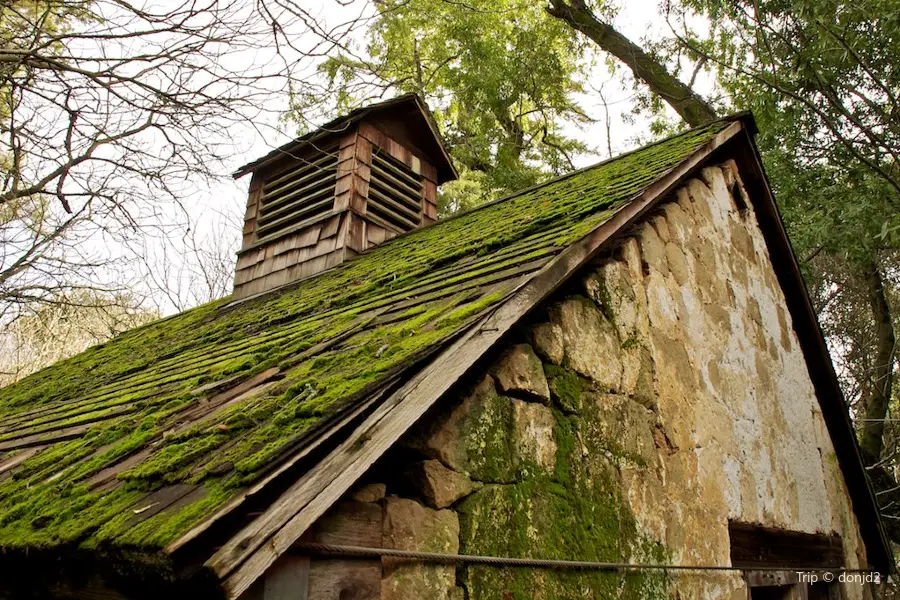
x: 656, y: 398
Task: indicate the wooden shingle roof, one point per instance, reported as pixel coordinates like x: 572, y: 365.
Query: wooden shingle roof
x: 144, y: 442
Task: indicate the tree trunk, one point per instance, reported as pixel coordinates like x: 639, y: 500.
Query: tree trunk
x: 689, y: 105
x: 877, y: 393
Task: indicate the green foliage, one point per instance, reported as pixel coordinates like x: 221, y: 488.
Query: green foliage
x: 820, y: 77
x: 499, y: 74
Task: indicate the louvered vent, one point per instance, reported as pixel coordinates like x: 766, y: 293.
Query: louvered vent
x: 395, y: 194
x: 292, y: 198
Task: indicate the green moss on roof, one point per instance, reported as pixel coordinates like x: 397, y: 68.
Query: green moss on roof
x: 332, y: 337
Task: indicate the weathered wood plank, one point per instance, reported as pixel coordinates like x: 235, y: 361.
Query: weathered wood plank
x: 249, y: 259
x: 356, y: 233
x: 799, y: 592
x: 288, y: 579
x: 360, y: 188
x: 205, y: 406
x: 337, y: 426
x: 375, y: 234
x: 349, y: 138
x: 84, y: 418
x: 344, y: 183
x: 253, y: 195
x: 330, y: 227
x: 346, y: 161
x: 771, y: 578
x: 161, y: 499
x: 110, y: 472
x: 429, y: 199
x: 757, y: 546
x: 342, y: 201
x: 9, y: 464
x: 42, y: 439
x: 429, y: 171
x: 392, y: 147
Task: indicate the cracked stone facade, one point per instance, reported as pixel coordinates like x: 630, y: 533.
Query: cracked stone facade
x: 658, y: 396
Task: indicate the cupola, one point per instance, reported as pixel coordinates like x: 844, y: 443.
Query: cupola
x: 333, y: 193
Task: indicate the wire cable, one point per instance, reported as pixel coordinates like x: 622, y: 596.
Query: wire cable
x: 502, y: 561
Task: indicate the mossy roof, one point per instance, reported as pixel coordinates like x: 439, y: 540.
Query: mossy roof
x: 134, y: 442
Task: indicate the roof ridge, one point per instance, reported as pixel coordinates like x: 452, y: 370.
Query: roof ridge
x: 728, y: 118
x: 486, y: 205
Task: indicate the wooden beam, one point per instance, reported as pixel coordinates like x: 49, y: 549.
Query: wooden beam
x: 251, y: 552
x: 771, y: 578
x: 758, y: 546
x: 288, y: 579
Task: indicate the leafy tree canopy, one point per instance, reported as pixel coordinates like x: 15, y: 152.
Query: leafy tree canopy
x: 821, y: 78
x: 500, y: 76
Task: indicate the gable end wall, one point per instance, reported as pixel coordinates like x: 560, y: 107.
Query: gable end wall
x: 656, y: 398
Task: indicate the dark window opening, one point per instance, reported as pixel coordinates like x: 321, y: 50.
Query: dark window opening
x: 780, y: 592
x: 792, y: 553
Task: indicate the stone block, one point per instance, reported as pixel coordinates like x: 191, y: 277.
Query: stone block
x: 533, y: 435
x: 677, y: 262
x: 439, y: 486
x: 682, y: 230
x: 661, y: 226
x: 630, y: 253
x: 566, y: 387
x: 474, y: 437
x: 701, y: 201
x: 653, y: 250
x: 548, y: 343
x: 639, y: 374
x: 611, y: 288
x: 410, y: 526
x: 372, y: 492
x: 665, y: 307
x: 592, y: 347
x: 578, y: 516
x: 616, y: 425
x: 519, y: 373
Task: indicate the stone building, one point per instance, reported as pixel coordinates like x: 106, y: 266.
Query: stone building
x: 620, y: 365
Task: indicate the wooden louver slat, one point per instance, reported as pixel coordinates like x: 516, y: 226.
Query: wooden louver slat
x: 395, y: 194
x: 304, y: 190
